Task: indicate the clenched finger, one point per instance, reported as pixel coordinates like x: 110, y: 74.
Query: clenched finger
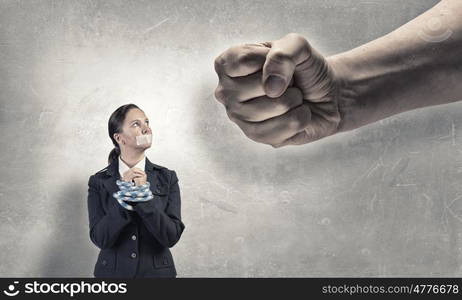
x: 277, y: 129
x: 263, y: 108
x: 285, y: 54
x: 239, y: 88
x: 241, y: 60
x: 320, y: 126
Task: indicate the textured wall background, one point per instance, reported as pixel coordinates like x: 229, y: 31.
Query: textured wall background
x: 384, y: 200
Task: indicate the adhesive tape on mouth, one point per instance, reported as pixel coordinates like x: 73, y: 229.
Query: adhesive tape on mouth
x: 143, y: 139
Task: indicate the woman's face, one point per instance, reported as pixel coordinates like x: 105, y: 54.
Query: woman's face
x: 136, y: 123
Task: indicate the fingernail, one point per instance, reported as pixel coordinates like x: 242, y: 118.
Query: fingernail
x: 274, y: 85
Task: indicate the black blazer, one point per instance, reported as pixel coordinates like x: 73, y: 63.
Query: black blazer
x: 135, y: 243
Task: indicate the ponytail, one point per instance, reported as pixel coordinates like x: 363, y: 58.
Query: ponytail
x: 113, y: 155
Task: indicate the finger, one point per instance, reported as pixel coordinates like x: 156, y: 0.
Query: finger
x: 239, y: 89
x: 138, y: 172
x: 320, y: 126
x: 128, y: 173
x: 241, y: 60
x: 300, y: 138
x: 313, y: 76
x: 139, y: 177
x: 127, y: 176
x: 277, y: 129
x: 131, y: 176
x: 263, y: 108
x: 285, y: 54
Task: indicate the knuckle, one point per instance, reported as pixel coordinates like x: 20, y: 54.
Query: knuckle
x: 235, y: 117
x: 236, y: 111
x: 279, y: 56
x: 219, y: 63
x: 220, y: 94
x: 242, y: 57
x: 232, y: 54
x: 226, y: 96
x: 294, y: 35
x: 276, y: 145
x: 300, y: 39
x: 303, y: 47
x: 231, y: 114
x: 234, y: 106
x: 247, y: 47
x: 246, y: 56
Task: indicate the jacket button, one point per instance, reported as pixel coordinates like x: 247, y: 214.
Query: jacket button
x: 157, y: 191
x: 104, y: 262
x: 133, y: 255
x: 133, y: 237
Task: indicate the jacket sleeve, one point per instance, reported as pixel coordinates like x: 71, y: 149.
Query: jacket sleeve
x: 166, y: 226
x: 105, y: 227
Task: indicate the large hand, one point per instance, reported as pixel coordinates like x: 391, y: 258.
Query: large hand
x: 279, y: 93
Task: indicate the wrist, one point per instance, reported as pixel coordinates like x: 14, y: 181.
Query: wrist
x: 367, y: 88
x: 347, y: 97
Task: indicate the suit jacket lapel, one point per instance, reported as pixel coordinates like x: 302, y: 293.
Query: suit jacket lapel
x: 153, y: 176
x: 110, y: 183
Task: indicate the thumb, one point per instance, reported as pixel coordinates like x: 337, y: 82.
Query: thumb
x: 285, y: 54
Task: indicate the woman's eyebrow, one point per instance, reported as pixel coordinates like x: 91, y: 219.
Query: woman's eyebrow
x: 138, y: 120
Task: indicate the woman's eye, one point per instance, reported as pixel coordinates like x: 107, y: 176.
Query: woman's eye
x: 137, y: 123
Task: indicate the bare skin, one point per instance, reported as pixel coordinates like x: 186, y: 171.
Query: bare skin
x: 284, y: 92
x: 136, y: 123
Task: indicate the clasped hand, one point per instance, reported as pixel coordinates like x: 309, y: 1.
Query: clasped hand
x: 135, y: 175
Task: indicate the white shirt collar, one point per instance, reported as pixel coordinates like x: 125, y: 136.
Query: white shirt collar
x: 123, y: 166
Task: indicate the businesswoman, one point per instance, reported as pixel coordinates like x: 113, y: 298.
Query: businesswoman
x: 134, y: 237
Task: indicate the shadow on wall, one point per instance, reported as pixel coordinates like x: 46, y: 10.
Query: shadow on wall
x: 67, y: 252
x: 381, y: 186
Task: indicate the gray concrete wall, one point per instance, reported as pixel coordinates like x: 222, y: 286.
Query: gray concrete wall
x: 384, y: 200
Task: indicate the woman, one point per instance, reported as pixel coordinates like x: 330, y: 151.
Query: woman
x: 134, y: 237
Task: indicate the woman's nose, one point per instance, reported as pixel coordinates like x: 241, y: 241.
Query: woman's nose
x: 146, y: 130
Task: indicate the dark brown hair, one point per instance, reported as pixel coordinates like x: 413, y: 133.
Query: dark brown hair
x: 115, y: 124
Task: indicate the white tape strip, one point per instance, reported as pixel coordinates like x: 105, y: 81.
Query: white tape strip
x: 144, y: 139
